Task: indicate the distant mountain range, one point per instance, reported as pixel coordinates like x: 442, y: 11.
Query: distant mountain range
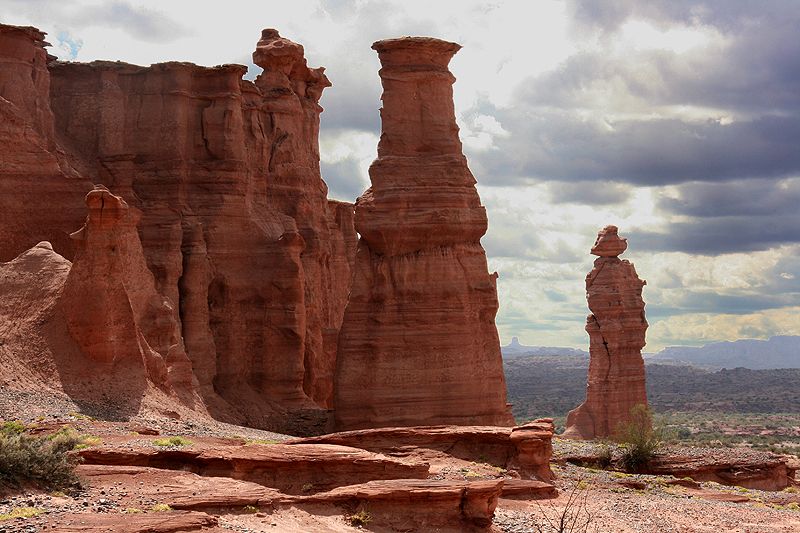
x: 777, y: 352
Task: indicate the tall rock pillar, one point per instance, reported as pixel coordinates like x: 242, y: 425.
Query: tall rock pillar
x: 616, y: 331
x: 418, y: 345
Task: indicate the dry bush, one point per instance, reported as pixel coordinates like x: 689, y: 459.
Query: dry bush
x: 41, y: 460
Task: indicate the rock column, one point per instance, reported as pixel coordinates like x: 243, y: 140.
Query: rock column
x: 418, y: 345
x: 616, y: 330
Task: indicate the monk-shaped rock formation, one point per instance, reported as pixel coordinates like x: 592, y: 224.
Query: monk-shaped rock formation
x: 616, y: 330
x: 418, y: 345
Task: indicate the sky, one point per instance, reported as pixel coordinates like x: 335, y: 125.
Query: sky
x: 676, y: 120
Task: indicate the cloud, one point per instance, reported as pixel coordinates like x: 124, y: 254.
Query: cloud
x: 722, y: 235
x: 142, y: 23
x: 589, y: 192
x: 344, y: 179
x: 745, y: 198
x: 558, y: 145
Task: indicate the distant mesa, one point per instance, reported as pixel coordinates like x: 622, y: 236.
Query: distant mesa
x: 515, y: 349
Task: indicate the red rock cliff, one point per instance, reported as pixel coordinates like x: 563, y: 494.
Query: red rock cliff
x: 235, y: 224
x: 616, y: 330
x: 41, y: 196
x: 418, y: 345
x: 96, y: 328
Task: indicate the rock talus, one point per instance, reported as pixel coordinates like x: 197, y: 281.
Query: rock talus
x: 418, y: 344
x: 616, y: 329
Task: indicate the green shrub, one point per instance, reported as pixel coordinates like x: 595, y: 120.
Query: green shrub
x: 172, y: 441
x: 640, y: 440
x: 42, y: 460
x: 12, y: 427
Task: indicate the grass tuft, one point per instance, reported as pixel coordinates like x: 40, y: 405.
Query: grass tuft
x: 21, y: 512
x: 172, y: 441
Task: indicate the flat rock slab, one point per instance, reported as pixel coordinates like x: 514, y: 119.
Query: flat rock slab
x: 405, y: 504
x: 420, y: 504
x: 759, y: 471
x: 526, y: 448
x: 290, y: 469
x: 165, y: 522
x: 178, y: 489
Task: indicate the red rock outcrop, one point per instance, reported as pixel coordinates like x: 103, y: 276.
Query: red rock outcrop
x: 418, y: 345
x: 393, y: 504
x: 290, y: 469
x: 96, y: 328
x: 112, y: 309
x: 41, y: 195
x: 525, y: 449
x: 756, y: 470
x: 235, y: 224
x: 616, y: 329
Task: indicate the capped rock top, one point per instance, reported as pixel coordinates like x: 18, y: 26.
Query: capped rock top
x: 274, y: 52
x: 417, y: 51
x: 608, y: 243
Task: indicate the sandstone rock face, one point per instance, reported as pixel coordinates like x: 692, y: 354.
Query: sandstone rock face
x: 112, y: 308
x: 525, y: 449
x: 96, y: 328
x: 283, y: 467
x: 235, y: 223
x: 41, y: 196
x: 616, y: 330
x: 418, y: 345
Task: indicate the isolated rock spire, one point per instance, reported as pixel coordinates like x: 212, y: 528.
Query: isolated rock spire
x: 418, y: 344
x: 616, y: 330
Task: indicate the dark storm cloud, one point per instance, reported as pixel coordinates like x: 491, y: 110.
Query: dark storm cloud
x: 729, y: 15
x: 723, y: 234
x: 738, y: 198
x: 735, y: 304
x: 753, y: 77
x: 555, y: 145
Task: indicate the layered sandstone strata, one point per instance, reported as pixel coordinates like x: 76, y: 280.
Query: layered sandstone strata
x: 113, y: 311
x: 41, y: 195
x: 418, y: 345
x: 96, y: 328
x: 235, y: 224
x: 616, y: 329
